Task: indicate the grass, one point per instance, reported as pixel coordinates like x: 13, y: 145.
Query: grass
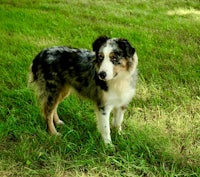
x: 161, y: 134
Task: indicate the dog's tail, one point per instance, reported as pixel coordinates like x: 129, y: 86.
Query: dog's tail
x: 33, y: 71
x: 35, y: 80
x: 30, y: 76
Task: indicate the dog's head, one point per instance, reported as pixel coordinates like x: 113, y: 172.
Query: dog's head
x: 114, y: 56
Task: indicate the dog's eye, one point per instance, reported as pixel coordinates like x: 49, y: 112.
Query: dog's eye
x: 114, y: 60
x: 100, y: 57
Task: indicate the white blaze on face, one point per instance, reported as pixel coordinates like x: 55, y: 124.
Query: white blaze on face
x: 107, y: 65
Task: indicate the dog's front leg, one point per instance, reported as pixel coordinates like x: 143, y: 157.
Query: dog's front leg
x: 118, y: 115
x: 103, y: 123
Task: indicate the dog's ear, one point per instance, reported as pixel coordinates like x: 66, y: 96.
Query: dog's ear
x: 126, y: 47
x: 99, y: 42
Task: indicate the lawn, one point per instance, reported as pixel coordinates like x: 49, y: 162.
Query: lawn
x: 161, y: 130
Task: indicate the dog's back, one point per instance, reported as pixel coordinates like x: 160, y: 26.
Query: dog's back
x: 59, y: 60
x: 55, y: 67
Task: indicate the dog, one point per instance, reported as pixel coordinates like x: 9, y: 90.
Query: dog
x: 107, y: 76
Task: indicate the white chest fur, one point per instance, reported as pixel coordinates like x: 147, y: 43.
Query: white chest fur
x: 120, y: 92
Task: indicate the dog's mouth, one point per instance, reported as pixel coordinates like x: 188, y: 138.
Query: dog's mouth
x: 115, y: 75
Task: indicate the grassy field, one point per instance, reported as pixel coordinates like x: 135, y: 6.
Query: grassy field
x: 161, y: 134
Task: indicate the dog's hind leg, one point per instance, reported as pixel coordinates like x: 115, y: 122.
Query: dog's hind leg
x: 56, y: 118
x: 49, y: 108
x: 65, y: 92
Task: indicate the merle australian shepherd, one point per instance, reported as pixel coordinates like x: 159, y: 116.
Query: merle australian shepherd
x: 107, y: 76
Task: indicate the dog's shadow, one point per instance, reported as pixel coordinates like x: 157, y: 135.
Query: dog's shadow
x: 79, y: 119
x: 80, y: 129
x: 79, y: 135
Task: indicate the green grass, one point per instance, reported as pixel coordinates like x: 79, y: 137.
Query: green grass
x: 161, y: 134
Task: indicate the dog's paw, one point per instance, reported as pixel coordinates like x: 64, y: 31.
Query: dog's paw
x: 108, y: 143
x: 117, y: 130
x: 58, y: 134
x: 110, y: 146
x: 60, y: 122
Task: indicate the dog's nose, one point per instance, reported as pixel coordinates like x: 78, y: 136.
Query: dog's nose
x: 102, y: 75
